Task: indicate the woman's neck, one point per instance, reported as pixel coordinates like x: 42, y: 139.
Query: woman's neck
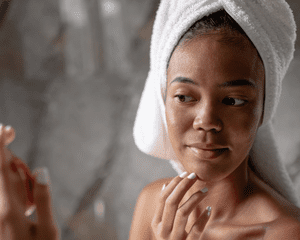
x: 225, y: 195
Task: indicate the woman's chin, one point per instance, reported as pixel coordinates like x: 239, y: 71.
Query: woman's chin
x: 208, y: 172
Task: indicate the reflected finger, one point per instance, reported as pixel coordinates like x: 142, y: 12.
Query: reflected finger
x: 10, y: 135
x: 3, y: 154
x: 7, y: 136
x: 12, y: 180
x: 30, y: 211
x: 4, y: 177
x: 17, y: 191
x: 27, y: 177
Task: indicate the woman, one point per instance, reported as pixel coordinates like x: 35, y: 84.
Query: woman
x: 207, y: 106
x: 213, y: 109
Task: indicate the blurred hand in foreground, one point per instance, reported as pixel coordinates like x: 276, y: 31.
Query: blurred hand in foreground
x: 20, y: 192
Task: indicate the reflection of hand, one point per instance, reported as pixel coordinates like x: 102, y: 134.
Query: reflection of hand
x: 169, y: 221
x: 20, y: 190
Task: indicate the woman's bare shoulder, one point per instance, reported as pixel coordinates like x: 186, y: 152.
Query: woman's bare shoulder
x: 152, y: 190
x: 272, y: 205
x: 145, y: 210
x: 157, y: 185
x: 283, y: 228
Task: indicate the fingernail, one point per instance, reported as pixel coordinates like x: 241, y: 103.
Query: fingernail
x: 192, y: 176
x: 30, y: 211
x: 183, y: 175
x: 7, y: 128
x: 204, y: 190
x: 209, y: 210
x: 99, y: 209
x: 42, y: 175
x: 164, y: 186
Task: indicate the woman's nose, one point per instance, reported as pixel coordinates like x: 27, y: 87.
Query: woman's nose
x: 207, y: 119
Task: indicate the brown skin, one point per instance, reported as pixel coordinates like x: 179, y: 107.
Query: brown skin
x: 17, y: 195
x: 19, y: 189
x: 204, y: 117
x: 243, y: 207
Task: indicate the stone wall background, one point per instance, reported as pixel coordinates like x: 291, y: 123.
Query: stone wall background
x: 72, y: 73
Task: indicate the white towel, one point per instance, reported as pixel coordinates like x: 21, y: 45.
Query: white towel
x: 271, y: 27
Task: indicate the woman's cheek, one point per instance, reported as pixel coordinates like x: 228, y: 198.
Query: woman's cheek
x: 246, y: 126
x: 178, y: 122
x: 173, y: 121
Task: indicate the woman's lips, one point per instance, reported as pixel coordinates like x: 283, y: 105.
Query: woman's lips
x: 207, y: 154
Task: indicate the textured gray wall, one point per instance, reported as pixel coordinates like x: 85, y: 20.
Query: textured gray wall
x: 72, y: 73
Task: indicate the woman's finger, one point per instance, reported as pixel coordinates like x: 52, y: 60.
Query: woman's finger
x: 4, y: 177
x: 10, y: 135
x: 23, y: 169
x: 173, y: 200
x: 42, y: 198
x: 17, y: 187
x: 12, y: 192
x: 27, y: 177
x: 199, y: 225
x: 184, y: 212
x: 14, y: 218
x: 2, y: 150
x: 166, y: 191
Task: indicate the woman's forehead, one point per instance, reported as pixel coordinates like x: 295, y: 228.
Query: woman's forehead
x: 211, y: 57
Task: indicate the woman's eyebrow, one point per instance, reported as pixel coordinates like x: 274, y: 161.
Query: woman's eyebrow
x: 233, y: 83
x: 238, y: 83
x: 184, y: 80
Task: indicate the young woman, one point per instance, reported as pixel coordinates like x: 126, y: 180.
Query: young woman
x: 213, y: 86
x: 210, y: 112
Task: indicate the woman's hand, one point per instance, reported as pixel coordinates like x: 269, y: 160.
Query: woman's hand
x: 169, y: 221
x: 19, y: 190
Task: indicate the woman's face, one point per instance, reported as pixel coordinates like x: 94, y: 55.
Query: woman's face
x: 214, y: 104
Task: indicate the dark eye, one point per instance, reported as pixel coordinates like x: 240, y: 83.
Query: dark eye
x: 233, y: 101
x: 184, y: 98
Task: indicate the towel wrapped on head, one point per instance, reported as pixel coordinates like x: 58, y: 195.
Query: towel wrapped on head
x: 270, y: 26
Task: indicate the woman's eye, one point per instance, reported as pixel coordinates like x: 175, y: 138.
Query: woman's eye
x: 234, y: 101
x: 184, y: 98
